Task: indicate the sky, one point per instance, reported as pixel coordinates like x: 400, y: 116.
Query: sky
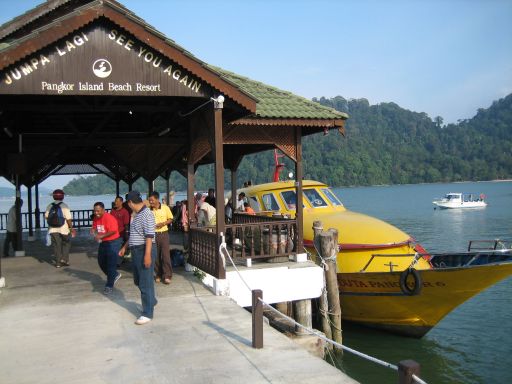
x: 443, y: 57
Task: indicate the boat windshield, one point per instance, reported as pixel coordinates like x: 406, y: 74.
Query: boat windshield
x: 270, y: 202
x: 290, y: 199
x: 332, y: 197
x: 314, y: 198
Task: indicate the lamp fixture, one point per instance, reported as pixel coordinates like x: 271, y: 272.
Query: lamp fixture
x: 8, y: 132
x: 164, y: 131
x: 218, y: 102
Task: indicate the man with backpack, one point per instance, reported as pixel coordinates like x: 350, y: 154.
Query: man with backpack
x: 60, y: 228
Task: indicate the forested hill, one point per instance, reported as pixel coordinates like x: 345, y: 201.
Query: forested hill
x: 386, y: 144
x: 383, y: 144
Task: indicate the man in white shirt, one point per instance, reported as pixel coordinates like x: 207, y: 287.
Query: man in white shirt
x: 61, y: 235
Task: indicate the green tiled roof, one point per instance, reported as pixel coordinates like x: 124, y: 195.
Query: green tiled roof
x: 275, y: 103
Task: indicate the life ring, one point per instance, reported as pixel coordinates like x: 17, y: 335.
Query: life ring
x: 418, y: 283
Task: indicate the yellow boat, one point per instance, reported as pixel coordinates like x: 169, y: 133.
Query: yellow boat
x: 386, y: 279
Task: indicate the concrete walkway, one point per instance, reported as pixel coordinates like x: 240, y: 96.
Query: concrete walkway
x: 56, y: 326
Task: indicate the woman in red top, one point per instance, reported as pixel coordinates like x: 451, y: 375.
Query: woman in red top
x: 105, y: 231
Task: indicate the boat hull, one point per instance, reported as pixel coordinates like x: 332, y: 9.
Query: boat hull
x: 375, y: 299
x: 448, y: 205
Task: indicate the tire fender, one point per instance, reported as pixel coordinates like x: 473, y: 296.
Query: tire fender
x: 418, y: 282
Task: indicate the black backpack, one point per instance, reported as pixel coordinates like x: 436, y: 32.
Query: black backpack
x: 55, y: 216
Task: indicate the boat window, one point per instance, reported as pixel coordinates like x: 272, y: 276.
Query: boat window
x: 332, y: 197
x: 254, y: 203
x: 314, y: 198
x: 270, y: 202
x: 290, y: 199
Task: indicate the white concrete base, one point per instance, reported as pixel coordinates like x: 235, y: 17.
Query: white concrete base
x: 300, y: 257
x: 19, y: 253
x: 278, y: 284
x: 31, y: 238
x: 2, y: 282
x: 220, y: 287
x: 189, y: 267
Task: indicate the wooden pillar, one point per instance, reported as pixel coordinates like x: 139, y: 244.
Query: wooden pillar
x: 234, y: 197
x: 219, y: 180
x: 30, y: 221
x: 299, y: 172
x: 323, y: 302
x: 37, y: 211
x: 407, y: 368
x: 167, y: 187
x: 302, y: 312
x: 151, y: 187
x: 257, y: 319
x: 329, y: 251
x: 19, y: 223
x: 190, y: 194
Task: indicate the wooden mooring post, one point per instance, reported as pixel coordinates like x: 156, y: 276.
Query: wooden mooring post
x: 257, y: 319
x: 323, y: 303
x: 327, y: 243
x: 407, y: 368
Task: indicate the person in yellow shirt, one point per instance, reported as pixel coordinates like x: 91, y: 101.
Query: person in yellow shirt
x: 163, y: 218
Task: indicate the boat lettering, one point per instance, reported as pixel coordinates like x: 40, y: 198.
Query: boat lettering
x: 384, y: 284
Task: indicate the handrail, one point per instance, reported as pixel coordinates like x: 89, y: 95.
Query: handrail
x: 470, y: 257
x: 81, y: 218
x: 496, y: 242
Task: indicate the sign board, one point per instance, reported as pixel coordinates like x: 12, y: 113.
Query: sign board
x: 101, y: 59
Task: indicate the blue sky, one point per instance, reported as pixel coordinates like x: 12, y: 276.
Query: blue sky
x: 446, y: 58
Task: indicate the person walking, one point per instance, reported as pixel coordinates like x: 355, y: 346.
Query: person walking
x: 106, y: 233
x: 60, y: 228
x: 12, y: 230
x: 163, y: 217
x: 123, y: 222
x: 143, y: 250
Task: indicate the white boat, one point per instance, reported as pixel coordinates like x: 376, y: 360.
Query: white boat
x: 461, y: 200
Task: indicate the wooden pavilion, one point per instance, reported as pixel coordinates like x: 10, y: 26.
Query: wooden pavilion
x: 88, y: 86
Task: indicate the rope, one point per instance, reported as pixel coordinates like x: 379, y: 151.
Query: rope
x: 223, y: 247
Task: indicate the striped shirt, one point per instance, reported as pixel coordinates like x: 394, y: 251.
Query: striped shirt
x: 142, y: 227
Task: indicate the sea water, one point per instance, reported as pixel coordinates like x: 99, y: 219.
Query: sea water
x: 473, y: 344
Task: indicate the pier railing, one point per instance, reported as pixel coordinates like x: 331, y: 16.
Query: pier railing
x: 248, y: 237
x: 81, y: 218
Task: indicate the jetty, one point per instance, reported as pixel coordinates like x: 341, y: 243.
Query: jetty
x: 56, y: 326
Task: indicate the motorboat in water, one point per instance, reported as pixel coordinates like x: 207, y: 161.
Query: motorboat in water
x: 386, y: 279
x: 454, y: 200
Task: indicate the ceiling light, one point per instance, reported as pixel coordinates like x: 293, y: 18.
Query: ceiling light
x: 8, y: 132
x: 163, y: 132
